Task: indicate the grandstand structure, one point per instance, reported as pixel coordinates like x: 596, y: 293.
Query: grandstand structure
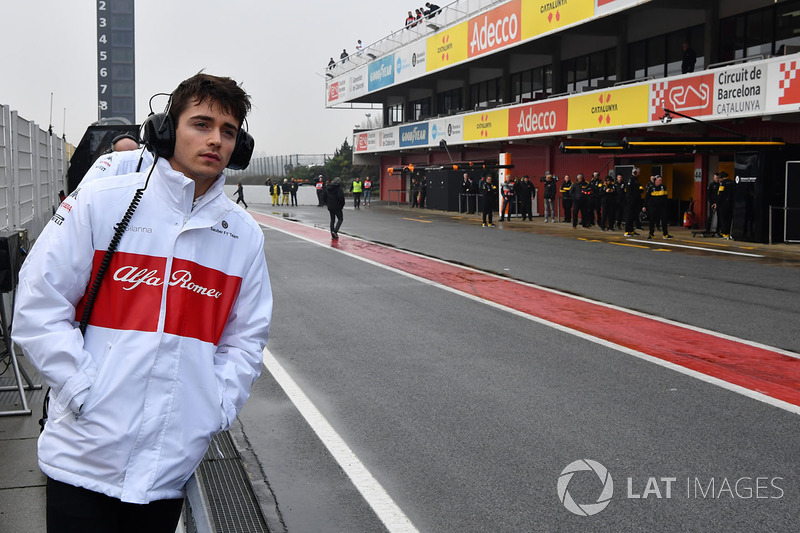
x: 572, y: 86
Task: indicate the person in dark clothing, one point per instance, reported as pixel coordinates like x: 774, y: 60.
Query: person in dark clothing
x: 320, y: 186
x: 293, y: 190
x: 414, y: 193
x: 595, y: 199
x: 689, y: 59
x: 619, y: 200
x: 549, y: 195
x: 712, y: 195
x: 526, y: 192
x: 508, y: 191
x: 423, y: 191
x: 725, y: 205
x: 474, y: 191
x: 608, y: 203
x: 240, y: 194
x: 489, y: 200
x: 655, y: 205
x: 566, y: 199
x: 633, y: 196
x: 432, y: 10
x: 580, y: 192
x: 333, y: 197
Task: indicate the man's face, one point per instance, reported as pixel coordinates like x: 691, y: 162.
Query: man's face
x: 205, y: 139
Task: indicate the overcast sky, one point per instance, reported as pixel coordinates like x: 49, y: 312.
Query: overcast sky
x: 277, y: 50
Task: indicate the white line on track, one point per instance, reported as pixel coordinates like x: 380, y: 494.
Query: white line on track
x: 382, y: 504
x: 660, y: 243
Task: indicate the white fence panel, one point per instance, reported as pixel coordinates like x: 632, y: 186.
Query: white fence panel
x: 5, y: 167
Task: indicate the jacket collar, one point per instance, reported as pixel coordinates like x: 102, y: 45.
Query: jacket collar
x: 178, y: 191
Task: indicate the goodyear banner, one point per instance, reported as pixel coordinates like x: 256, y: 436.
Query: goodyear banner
x: 544, y: 16
x: 447, y: 47
x: 608, y: 109
x: 486, y: 125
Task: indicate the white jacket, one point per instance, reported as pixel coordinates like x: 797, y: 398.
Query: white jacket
x: 117, y: 164
x: 163, y: 366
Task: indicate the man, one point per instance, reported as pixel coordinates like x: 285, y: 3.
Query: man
x: 489, y: 200
x: 423, y: 191
x: 432, y: 10
x: 688, y: 60
x: 240, y: 194
x: 566, y: 198
x: 656, y: 206
x: 725, y: 205
x: 526, y: 193
x: 293, y: 186
x: 508, y: 190
x: 549, y: 196
x: 333, y: 197
x: 357, y: 188
x: 410, y: 20
x: 320, y: 186
x: 595, y: 199
x: 414, y: 193
x: 118, y: 163
x: 344, y: 55
x: 124, y: 143
x: 580, y: 192
x: 608, y: 202
x: 712, y: 195
x: 286, y: 190
x: 170, y: 353
x: 633, y: 196
x: 367, y: 191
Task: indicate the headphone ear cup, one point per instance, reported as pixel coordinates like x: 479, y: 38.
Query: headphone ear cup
x: 159, y: 134
x: 242, y: 152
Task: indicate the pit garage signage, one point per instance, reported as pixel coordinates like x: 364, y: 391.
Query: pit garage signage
x: 740, y: 90
x: 544, y: 16
x: 538, y: 119
x: 495, y: 29
x: 612, y: 108
x: 691, y: 96
x: 447, y: 129
x: 486, y: 125
x: 784, y: 84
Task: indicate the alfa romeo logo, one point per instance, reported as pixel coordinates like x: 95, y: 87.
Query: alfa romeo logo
x: 585, y: 509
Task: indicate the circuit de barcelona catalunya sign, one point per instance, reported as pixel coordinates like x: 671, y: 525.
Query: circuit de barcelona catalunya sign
x: 757, y: 88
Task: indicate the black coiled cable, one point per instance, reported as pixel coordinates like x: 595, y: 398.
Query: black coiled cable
x: 91, y: 294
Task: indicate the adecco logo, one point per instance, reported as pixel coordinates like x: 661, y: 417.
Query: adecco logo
x: 533, y: 119
x: 585, y: 509
x: 495, y: 29
x: 333, y: 92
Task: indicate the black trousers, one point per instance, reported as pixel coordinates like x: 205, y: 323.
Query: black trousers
x: 567, y: 203
x: 487, y: 212
x: 76, y: 510
x: 658, y: 218
x: 609, y: 212
x: 580, y: 207
x: 336, y: 220
x: 631, y: 212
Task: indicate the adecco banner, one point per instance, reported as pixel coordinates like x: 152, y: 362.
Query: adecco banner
x: 409, y: 62
x: 783, y: 85
x: 486, y: 125
x: 381, y: 73
x: 448, y: 129
x: 692, y: 96
x: 537, y: 119
x: 612, y: 108
x: 544, y: 16
x: 447, y: 47
x: 361, y: 142
x: 495, y: 29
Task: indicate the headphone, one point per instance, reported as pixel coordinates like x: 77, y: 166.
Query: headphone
x: 158, y: 133
x: 118, y: 138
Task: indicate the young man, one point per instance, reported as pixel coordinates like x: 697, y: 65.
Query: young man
x: 333, y: 197
x: 174, y: 342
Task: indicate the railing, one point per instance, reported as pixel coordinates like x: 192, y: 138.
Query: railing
x: 448, y: 15
x: 401, y: 194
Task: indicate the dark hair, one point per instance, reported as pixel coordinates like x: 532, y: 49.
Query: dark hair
x: 224, y: 92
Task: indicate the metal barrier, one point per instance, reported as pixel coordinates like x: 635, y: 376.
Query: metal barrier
x: 402, y: 196
x: 33, y: 169
x: 785, y: 217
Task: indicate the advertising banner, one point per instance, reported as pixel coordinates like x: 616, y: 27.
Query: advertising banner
x: 539, y: 118
x: 612, y: 108
x: 448, y: 129
x: 409, y: 62
x: 783, y: 85
x: 414, y: 135
x: 381, y: 73
x: 486, y: 125
x: 544, y: 16
x: 447, y: 47
x: 337, y: 91
x: 357, y: 83
x: 692, y: 96
x: 495, y: 29
x: 740, y: 90
x: 361, y: 142
x: 388, y: 139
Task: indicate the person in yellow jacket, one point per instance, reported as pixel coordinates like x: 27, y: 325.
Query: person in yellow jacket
x: 357, y: 187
